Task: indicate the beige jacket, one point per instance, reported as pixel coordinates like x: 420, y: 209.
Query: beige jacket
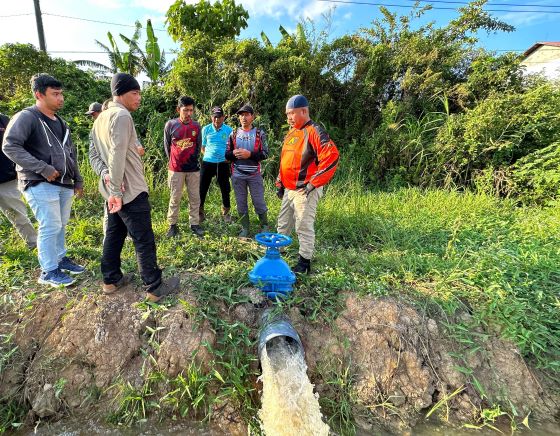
x: 114, y: 137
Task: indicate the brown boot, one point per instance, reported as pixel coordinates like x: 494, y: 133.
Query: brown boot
x: 166, y: 287
x: 112, y: 288
x: 201, y: 214
x: 226, y: 215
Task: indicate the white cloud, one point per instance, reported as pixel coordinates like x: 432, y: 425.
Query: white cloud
x: 107, y: 4
x: 282, y: 9
x: 161, y: 6
x: 519, y: 18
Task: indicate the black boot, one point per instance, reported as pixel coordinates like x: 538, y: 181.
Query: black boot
x: 244, y: 233
x: 303, y: 266
x: 173, y: 231
x: 263, y: 220
x: 197, y: 230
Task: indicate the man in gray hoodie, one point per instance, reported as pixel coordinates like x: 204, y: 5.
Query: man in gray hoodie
x: 39, y: 142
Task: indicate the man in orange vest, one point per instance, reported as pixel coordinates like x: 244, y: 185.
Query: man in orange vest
x: 308, y: 161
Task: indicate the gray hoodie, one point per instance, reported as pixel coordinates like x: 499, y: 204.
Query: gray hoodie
x: 37, y: 151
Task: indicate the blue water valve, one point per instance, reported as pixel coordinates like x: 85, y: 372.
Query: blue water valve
x: 271, y: 274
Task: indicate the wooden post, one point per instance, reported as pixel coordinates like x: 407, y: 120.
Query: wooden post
x: 40, y: 31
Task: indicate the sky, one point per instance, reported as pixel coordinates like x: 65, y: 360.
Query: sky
x: 74, y: 38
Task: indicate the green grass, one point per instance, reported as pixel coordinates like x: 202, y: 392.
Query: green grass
x: 437, y: 249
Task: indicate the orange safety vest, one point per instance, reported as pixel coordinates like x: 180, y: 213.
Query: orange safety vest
x: 308, y: 156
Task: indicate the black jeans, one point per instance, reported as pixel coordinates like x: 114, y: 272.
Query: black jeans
x: 134, y: 219
x: 222, y: 172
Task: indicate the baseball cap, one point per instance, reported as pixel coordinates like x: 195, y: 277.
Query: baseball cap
x: 217, y: 110
x: 246, y: 108
x: 94, y: 107
x: 296, y: 102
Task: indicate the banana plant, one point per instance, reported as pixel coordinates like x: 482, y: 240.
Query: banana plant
x: 152, y: 60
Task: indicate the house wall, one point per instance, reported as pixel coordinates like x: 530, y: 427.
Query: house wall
x: 545, y: 60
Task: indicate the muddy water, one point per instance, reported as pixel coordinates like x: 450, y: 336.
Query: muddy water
x: 289, y: 406
x: 82, y: 426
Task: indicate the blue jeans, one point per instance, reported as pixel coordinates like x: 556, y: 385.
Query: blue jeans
x: 51, y: 206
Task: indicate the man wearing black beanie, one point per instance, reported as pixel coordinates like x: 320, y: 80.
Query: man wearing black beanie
x: 126, y: 194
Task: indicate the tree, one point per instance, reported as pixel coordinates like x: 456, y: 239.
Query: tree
x: 124, y: 62
x: 18, y: 62
x: 223, y: 19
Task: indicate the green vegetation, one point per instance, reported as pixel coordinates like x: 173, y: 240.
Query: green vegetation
x: 454, y: 251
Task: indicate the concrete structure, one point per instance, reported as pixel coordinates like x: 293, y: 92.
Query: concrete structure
x: 543, y: 58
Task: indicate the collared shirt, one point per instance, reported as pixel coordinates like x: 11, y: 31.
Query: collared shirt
x: 308, y: 156
x: 214, y: 142
x: 115, y: 139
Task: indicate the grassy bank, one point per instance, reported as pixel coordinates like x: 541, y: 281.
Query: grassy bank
x: 436, y: 249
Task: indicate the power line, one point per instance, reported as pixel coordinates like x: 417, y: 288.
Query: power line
x: 515, y: 5
x: 350, y: 2
x: 96, y: 21
x: 16, y: 15
x: 85, y: 51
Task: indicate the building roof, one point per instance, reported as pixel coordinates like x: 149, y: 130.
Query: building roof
x: 538, y: 45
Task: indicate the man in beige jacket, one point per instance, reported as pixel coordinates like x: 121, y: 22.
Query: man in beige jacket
x: 126, y: 194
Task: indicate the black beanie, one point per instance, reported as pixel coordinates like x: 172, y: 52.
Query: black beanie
x: 121, y: 83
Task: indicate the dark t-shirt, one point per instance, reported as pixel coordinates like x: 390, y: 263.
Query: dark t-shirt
x: 55, y: 125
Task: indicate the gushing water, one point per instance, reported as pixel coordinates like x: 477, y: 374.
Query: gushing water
x: 289, y: 406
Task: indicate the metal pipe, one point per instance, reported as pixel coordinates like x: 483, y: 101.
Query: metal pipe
x: 277, y: 326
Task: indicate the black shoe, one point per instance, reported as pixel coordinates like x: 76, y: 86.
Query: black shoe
x: 197, y: 230
x: 303, y: 266
x: 173, y: 231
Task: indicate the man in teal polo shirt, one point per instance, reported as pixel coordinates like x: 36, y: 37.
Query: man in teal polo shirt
x: 214, y: 142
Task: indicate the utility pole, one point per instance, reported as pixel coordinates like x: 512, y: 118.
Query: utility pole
x: 40, y: 31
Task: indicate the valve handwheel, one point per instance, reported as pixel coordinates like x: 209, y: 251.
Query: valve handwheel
x: 273, y: 240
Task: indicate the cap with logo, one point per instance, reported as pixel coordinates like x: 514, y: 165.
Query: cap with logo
x: 218, y: 111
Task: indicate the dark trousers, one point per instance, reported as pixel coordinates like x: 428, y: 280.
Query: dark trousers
x: 255, y: 185
x: 135, y: 220
x: 222, y: 172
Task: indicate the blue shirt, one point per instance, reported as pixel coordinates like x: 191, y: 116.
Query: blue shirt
x: 214, y: 142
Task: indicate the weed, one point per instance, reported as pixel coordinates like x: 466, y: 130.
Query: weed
x: 12, y: 414
x: 188, y: 392
x: 340, y: 398
x: 133, y: 404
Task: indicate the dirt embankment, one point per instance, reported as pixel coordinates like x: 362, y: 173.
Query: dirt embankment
x: 400, y: 363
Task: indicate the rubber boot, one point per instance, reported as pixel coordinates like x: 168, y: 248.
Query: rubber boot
x: 303, y: 266
x: 244, y: 233
x: 263, y: 220
x: 173, y: 231
x: 226, y: 215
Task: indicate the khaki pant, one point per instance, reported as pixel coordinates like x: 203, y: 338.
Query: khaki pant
x: 14, y: 208
x: 299, y: 211
x: 176, y: 181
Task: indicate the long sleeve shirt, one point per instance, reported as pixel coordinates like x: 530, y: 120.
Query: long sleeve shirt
x: 309, y: 156
x: 114, y: 137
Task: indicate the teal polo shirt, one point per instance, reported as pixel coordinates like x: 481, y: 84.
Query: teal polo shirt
x: 214, y: 142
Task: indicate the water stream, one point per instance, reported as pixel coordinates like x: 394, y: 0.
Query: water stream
x: 289, y: 405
